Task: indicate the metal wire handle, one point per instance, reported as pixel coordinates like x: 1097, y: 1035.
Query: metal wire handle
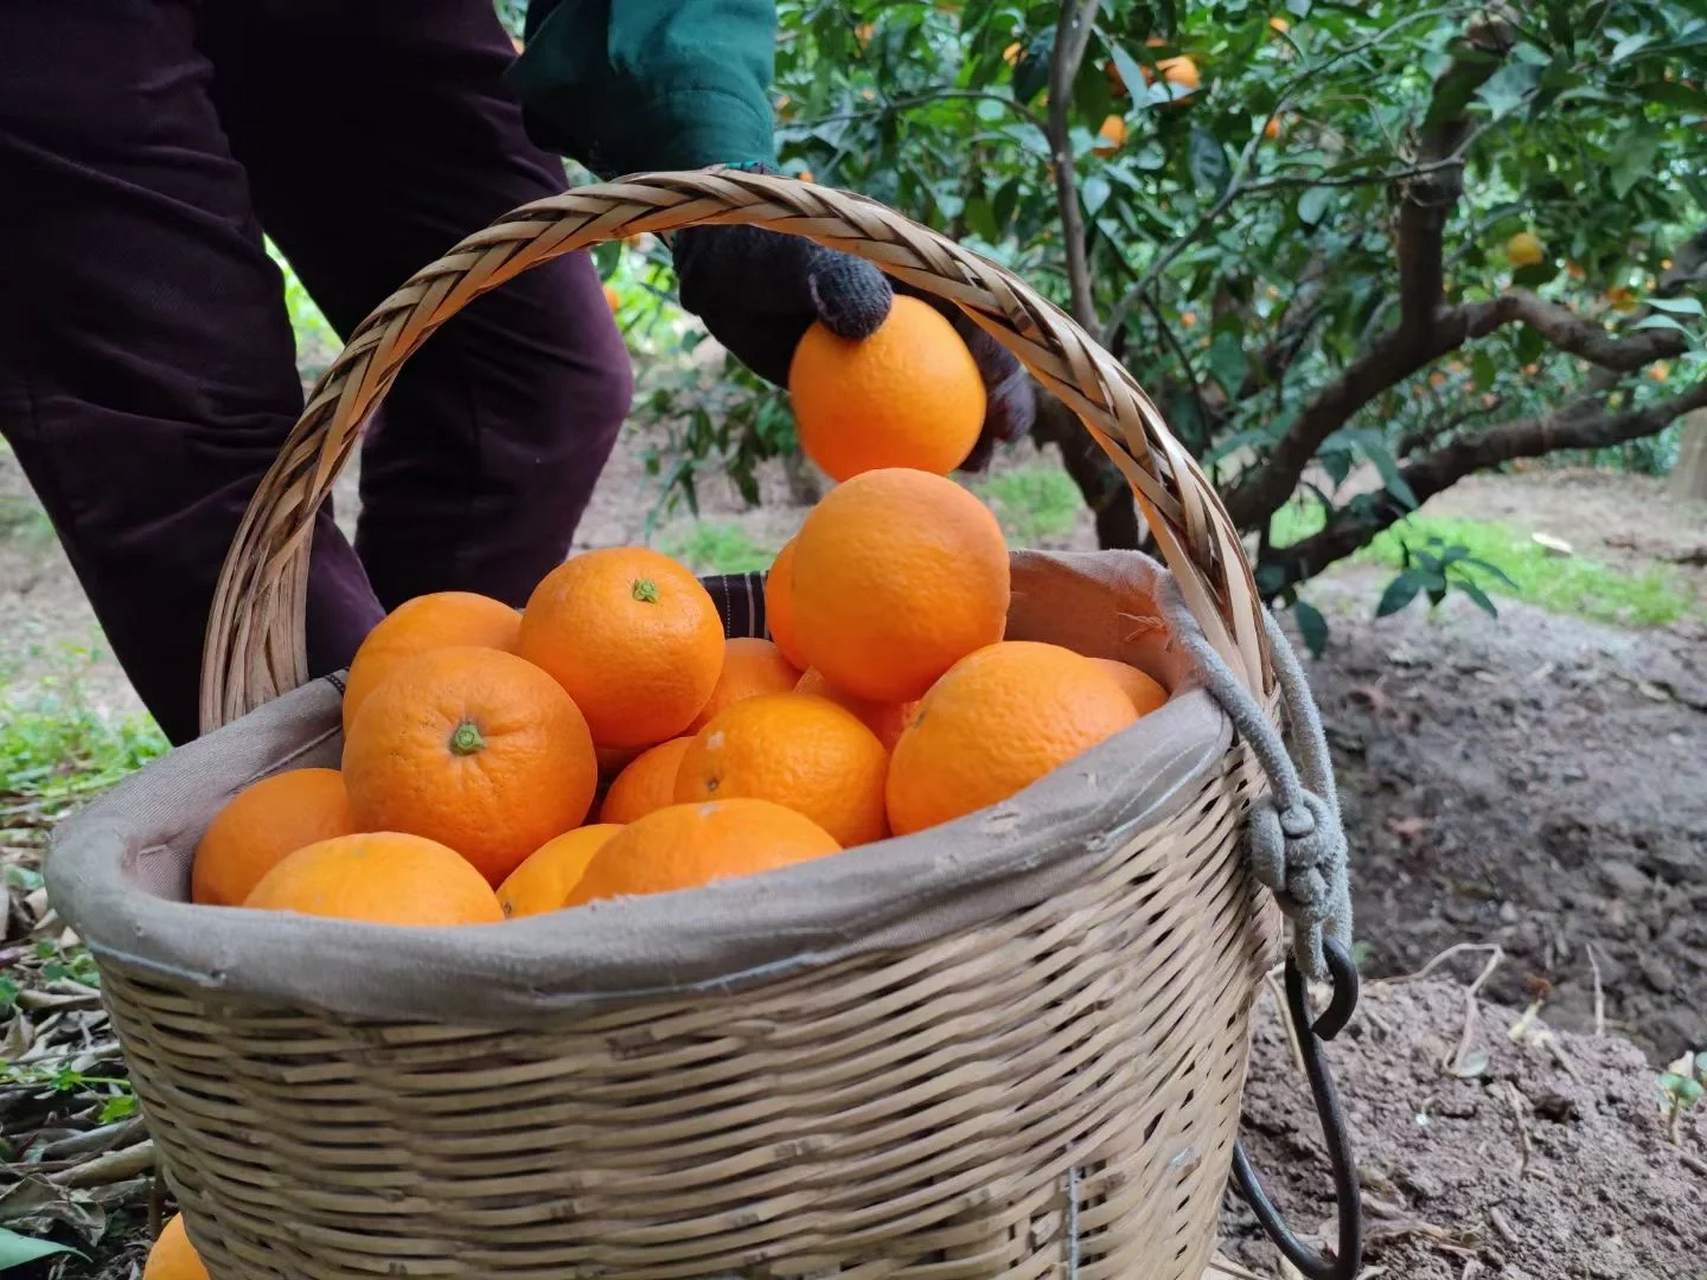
x: 1347, y: 1261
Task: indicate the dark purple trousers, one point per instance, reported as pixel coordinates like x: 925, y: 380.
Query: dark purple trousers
x: 147, y: 373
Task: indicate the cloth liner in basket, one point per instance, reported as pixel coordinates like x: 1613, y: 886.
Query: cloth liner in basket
x: 1013, y: 1046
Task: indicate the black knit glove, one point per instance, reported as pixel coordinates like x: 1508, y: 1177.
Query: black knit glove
x: 759, y: 291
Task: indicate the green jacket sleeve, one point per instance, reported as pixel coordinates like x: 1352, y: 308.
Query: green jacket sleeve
x: 627, y: 85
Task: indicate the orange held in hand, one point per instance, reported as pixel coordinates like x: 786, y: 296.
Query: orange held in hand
x: 383, y: 878
x: 908, y: 396
x: 634, y: 638
x: 646, y: 784
x: 436, y: 621
x: 264, y: 823
x: 543, y: 882
x: 994, y: 725
x: 173, y: 1257
x: 779, y: 605
x: 688, y: 845
x: 804, y: 753
x: 885, y: 719
x: 476, y: 749
x: 897, y: 576
x: 750, y: 667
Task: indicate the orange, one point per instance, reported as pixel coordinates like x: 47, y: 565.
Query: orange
x: 384, y: 878
x: 885, y: 719
x: 779, y: 605
x: 434, y: 621
x: 910, y: 395
x: 173, y: 1257
x: 545, y: 879
x: 750, y: 667
x: 633, y: 636
x: 647, y: 784
x: 1271, y: 130
x: 1113, y: 135
x: 1000, y: 720
x: 806, y: 754
x: 1524, y: 249
x: 1146, y: 693
x: 688, y: 845
x: 897, y: 576
x: 1181, y: 72
x: 264, y: 822
x: 476, y: 749
x: 613, y: 299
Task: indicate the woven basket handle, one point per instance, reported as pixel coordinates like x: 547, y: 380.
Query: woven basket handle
x: 255, y: 647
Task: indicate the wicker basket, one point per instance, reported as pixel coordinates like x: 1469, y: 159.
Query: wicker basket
x: 1040, y: 1078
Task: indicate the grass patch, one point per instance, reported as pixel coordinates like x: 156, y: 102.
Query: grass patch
x: 1034, y: 503
x: 708, y: 547
x: 1577, y: 585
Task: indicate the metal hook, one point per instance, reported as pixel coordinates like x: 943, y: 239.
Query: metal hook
x: 1348, y: 1259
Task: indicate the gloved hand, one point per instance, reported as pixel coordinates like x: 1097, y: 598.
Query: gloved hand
x: 759, y: 291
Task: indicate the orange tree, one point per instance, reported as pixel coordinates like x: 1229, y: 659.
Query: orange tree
x: 1357, y: 251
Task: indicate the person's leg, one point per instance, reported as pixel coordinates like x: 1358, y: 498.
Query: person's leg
x: 146, y: 363
x: 397, y: 141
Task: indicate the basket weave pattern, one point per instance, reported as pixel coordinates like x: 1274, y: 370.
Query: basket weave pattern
x: 1050, y: 1093
x: 1047, y: 1095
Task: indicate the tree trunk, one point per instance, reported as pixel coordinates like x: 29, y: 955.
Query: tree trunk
x: 1689, y: 477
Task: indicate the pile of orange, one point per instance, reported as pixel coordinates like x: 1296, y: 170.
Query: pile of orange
x: 607, y: 739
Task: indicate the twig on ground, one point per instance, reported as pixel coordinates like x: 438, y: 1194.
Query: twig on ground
x: 1517, y: 1102
x: 115, y: 1166
x: 1599, y: 996
x: 1503, y: 1226
x: 1273, y: 982
x: 1695, y: 1164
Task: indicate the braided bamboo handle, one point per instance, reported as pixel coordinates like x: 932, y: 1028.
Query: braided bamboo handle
x: 255, y: 648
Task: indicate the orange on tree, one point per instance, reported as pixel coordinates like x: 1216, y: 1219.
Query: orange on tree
x: 779, y: 605
x: 897, y: 575
x: 384, y: 877
x: 435, y: 621
x: 1271, y: 130
x: 542, y: 883
x: 261, y: 825
x: 750, y: 667
x: 173, y: 1257
x: 613, y: 299
x: 688, y: 845
x: 1000, y: 720
x: 885, y: 719
x: 647, y: 784
x: 476, y: 749
x: 910, y: 395
x: 807, y: 754
x: 1146, y: 693
x: 632, y: 636
x: 1113, y: 135
x: 1524, y: 249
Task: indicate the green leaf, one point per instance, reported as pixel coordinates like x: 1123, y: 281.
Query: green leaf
x: 1633, y: 161
x: 1131, y: 74
x: 1628, y: 45
x: 1399, y: 593
x: 1031, y: 76
x: 1477, y: 595
x: 1659, y: 322
x: 1312, y: 626
x: 1506, y: 89
x: 1313, y: 204
x: 1227, y: 361
x: 1208, y: 160
x: 1677, y: 306
x: 1094, y: 193
x: 1494, y: 569
x: 1484, y: 370
x: 606, y: 257
x: 16, y: 1250
x: 1535, y: 274
x: 1298, y: 8
x: 1391, y: 478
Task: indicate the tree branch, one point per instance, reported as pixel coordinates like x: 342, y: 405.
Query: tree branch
x: 1072, y: 38
x: 1584, y: 423
x: 1427, y: 201
x: 1588, y: 339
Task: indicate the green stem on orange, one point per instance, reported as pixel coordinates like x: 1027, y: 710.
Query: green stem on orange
x: 467, y: 740
x: 645, y: 591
